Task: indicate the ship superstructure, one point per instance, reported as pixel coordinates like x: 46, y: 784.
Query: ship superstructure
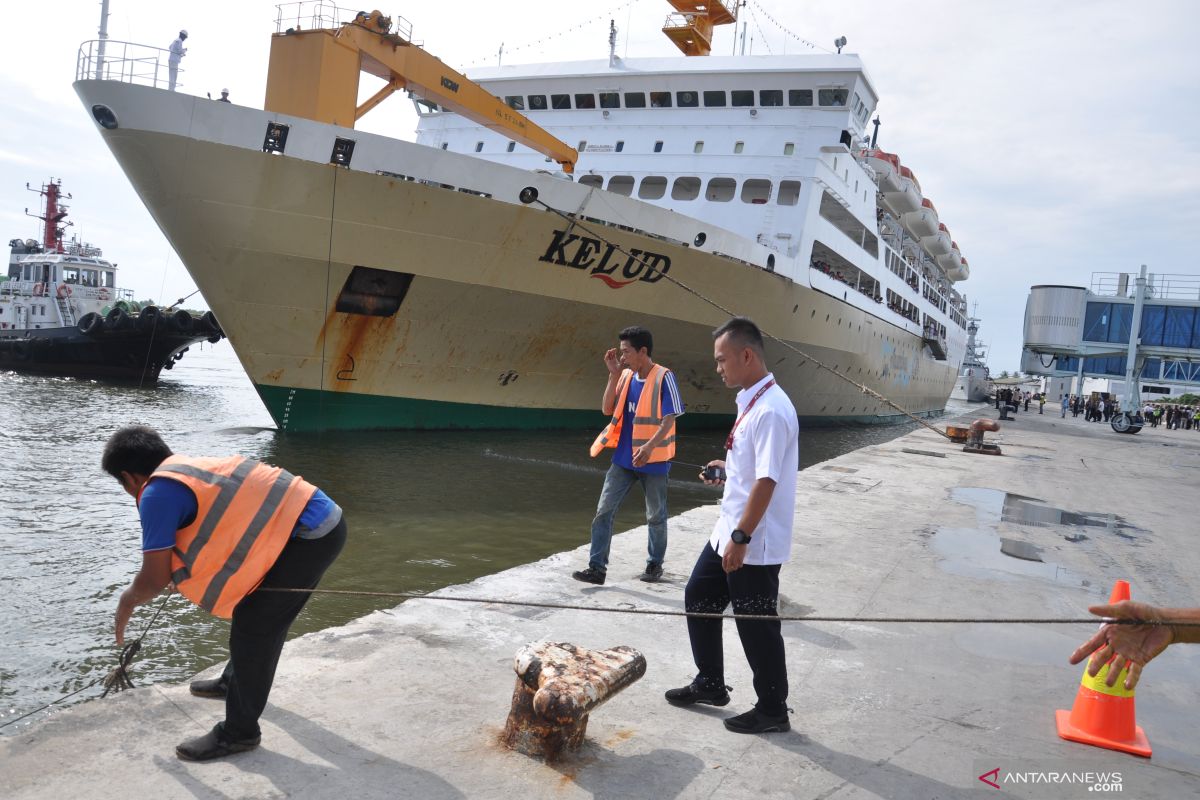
x: 366, y: 281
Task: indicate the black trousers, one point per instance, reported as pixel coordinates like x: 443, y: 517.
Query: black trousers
x: 752, y: 590
x: 260, y: 625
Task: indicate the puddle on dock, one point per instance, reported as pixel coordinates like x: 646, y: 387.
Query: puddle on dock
x: 983, y: 552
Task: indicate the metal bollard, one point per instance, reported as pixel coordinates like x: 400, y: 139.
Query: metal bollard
x: 975, y: 443
x: 558, y: 686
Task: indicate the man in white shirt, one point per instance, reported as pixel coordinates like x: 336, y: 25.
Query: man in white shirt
x: 752, y: 538
x: 178, y: 51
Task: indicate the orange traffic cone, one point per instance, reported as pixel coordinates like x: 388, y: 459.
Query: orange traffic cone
x: 1104, y: 715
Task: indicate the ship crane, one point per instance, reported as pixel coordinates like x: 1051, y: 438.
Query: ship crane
x: 315, y: 74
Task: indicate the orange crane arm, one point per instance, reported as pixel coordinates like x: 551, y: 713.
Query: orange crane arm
x: 314, y: 74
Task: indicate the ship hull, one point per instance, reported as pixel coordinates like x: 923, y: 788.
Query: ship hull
x: 499, y: 313
x: 120, y: 356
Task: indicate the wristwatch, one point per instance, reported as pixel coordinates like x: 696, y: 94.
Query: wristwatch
x: 739, y: 536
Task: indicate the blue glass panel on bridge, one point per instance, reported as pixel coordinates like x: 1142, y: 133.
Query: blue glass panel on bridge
x: 1111, y: 365
x: 1181, y: 372
x: 1196, y: 332
x: 1068, y: 363
x: 1152, y: 369
x: 1095, y: 322
x: 1121, y: 323
x: 1152, y: 325
x: 1178, y: 326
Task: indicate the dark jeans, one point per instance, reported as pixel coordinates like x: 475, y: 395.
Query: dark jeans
x: 753, y: 590
x: 260, y: 626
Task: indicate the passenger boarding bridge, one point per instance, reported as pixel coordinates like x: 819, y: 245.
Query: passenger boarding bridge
x: 1073, y: 331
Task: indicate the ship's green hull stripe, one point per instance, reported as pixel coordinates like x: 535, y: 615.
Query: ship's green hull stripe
x: 313, y: 410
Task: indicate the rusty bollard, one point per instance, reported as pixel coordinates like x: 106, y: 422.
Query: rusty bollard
x: 558, y: 685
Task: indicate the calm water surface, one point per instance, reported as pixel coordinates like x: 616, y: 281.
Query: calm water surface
x: 425, y: 510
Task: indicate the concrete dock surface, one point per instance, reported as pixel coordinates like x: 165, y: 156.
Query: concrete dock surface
x: 410, y: 702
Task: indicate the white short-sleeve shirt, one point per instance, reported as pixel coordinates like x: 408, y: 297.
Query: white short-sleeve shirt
x: 765, y: 445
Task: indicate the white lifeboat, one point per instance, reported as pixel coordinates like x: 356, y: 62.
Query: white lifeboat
x: 908, y: 197
x: 886, y: 167
x: 962, y: 273
x: 952, y: 260
x: 922, y: 222
x: 939, y: 244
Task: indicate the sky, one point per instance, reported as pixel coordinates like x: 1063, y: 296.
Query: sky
x: 1057, y: 139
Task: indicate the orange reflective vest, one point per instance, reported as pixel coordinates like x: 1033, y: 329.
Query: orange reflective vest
x: 246, y: 511
x: 647, y: 418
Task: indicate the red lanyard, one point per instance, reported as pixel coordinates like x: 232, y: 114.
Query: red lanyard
x: 729, y: 438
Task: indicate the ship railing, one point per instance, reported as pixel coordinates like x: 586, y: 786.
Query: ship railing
x: 308, y: 15
x: 1161, y: 286
x: 127, y: 62
x: 23, y: 288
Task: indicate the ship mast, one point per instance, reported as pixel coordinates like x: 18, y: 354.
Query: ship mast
x: 53, y: 212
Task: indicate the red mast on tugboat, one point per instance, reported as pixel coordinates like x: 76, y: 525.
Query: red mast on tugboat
x: 53, y: 212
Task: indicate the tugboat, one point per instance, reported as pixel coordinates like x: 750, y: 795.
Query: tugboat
x: 973, y: 378
x: 62, y: 313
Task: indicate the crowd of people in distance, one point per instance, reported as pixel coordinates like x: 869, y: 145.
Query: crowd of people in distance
x: 869, y: 288
x: 1172, y: 415
x: 1094, y: 409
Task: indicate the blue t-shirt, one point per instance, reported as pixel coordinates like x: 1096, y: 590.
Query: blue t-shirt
x: 168, y: 506
x: 623, y: 457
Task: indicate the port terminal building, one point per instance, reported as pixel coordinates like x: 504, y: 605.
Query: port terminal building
x: 1073, y: 333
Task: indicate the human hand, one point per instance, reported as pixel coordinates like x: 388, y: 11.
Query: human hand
x: 1127, y: 645
x: 124, y: 611
x: 641, y: 455
x: 612, y: 361
x: 735, y: 555
x: 714, y: 463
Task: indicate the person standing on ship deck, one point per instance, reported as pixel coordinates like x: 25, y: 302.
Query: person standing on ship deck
x: 221, y: 529
x: 177, y: 52
x: 751, y: 539
x: 643, y: 400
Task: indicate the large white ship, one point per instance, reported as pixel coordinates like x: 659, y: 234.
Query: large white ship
x: 370, y: 282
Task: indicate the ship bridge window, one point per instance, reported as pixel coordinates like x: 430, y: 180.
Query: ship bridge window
x: 658, y: 146
x: 740, y: 98
x: 720, y: 190
x: 610, y: 100
x: 660, y: 99
x: 109, y: 280
x: 635, y: 99
x: 714, y: 99
x: 653, y: 187
x: 511, y: 146
x: 585, y: 100
x: 560, y: 102
x: 620, y: 145
x: 698, y: 147
x: 687, y: 99
x: 739, y: 146
x: 621, y: 184
x: 537, y: 102
x: 595, y: 181
x: 799, y: 97
x: 515, y: 101
x: 789, y: 193
x: 832, y: 97
x: 70, y: 275
x: 685, y: 189
x: 479, y: 147
x: 789, y: 148
x: 756, y: 191
x: 770, y: 97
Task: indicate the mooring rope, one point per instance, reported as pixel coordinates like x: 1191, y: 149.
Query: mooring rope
x: 574, y: 221
x: 117, y: 678
x: 651, y: 612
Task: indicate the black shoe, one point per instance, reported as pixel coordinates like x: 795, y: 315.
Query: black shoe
x: 214, y: 744
x: 214, y: 687
x: 754, y: 721
x: 694, y: 693
x: 589, y: 575
x: 653, y: 573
